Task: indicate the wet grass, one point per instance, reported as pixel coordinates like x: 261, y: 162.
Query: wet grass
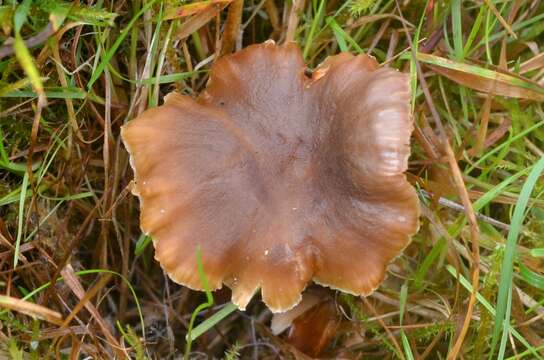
x: 77, y: 277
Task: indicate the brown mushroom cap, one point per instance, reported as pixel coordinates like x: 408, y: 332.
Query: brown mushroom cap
x: 279, y: 178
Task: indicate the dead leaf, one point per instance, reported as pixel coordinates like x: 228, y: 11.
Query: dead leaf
x: 312, y: 331
x: 282, y: 321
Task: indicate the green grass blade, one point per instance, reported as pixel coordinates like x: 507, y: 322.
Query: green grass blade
x: 537, y: 252
x: 342, y: 37
x: 213, y: 320
x: 532, y: 278
x: 25, y: 59
x: 413, y: 59
x: 487, y: 305
x: 505, y: 284
x: 405, y: 343
x: 457, y: 29
x: 316, y: 20
x: 141, y: 244
x: 209, y: 302
x: 20, y: 15
x: 473, y: 32
x: 519, y: 136
x: 109, y: 54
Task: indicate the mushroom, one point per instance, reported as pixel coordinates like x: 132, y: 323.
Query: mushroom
x: 280, y: 178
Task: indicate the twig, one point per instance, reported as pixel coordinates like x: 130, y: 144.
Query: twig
x: 458, y: 207
x: 39, y: 38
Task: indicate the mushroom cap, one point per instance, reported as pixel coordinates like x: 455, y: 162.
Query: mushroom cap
x: 278, y: 177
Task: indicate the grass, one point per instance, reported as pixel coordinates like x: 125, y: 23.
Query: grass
x: 77, y: 277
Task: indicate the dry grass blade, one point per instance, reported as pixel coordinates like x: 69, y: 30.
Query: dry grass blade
x: 363, y: 20
x: 272, y: 12
x: 88, y: 296
x: 484, y: 123
x: 31, y: 309
x: 500, y: 18
x: 194, y: 8
x: 73, y: 283
x: 294, y: 17
x: 198, y: 20
x: 232, y: 27
x: 39, y: 38
x: 534, y: 63
x: 482, y: 79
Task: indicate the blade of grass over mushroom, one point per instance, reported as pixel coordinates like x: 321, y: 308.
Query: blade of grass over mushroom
x: 483, y: 79
x: 213, y: 320
x: 209, y: 302
x: 111, y: 51
x: 506, y: 278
